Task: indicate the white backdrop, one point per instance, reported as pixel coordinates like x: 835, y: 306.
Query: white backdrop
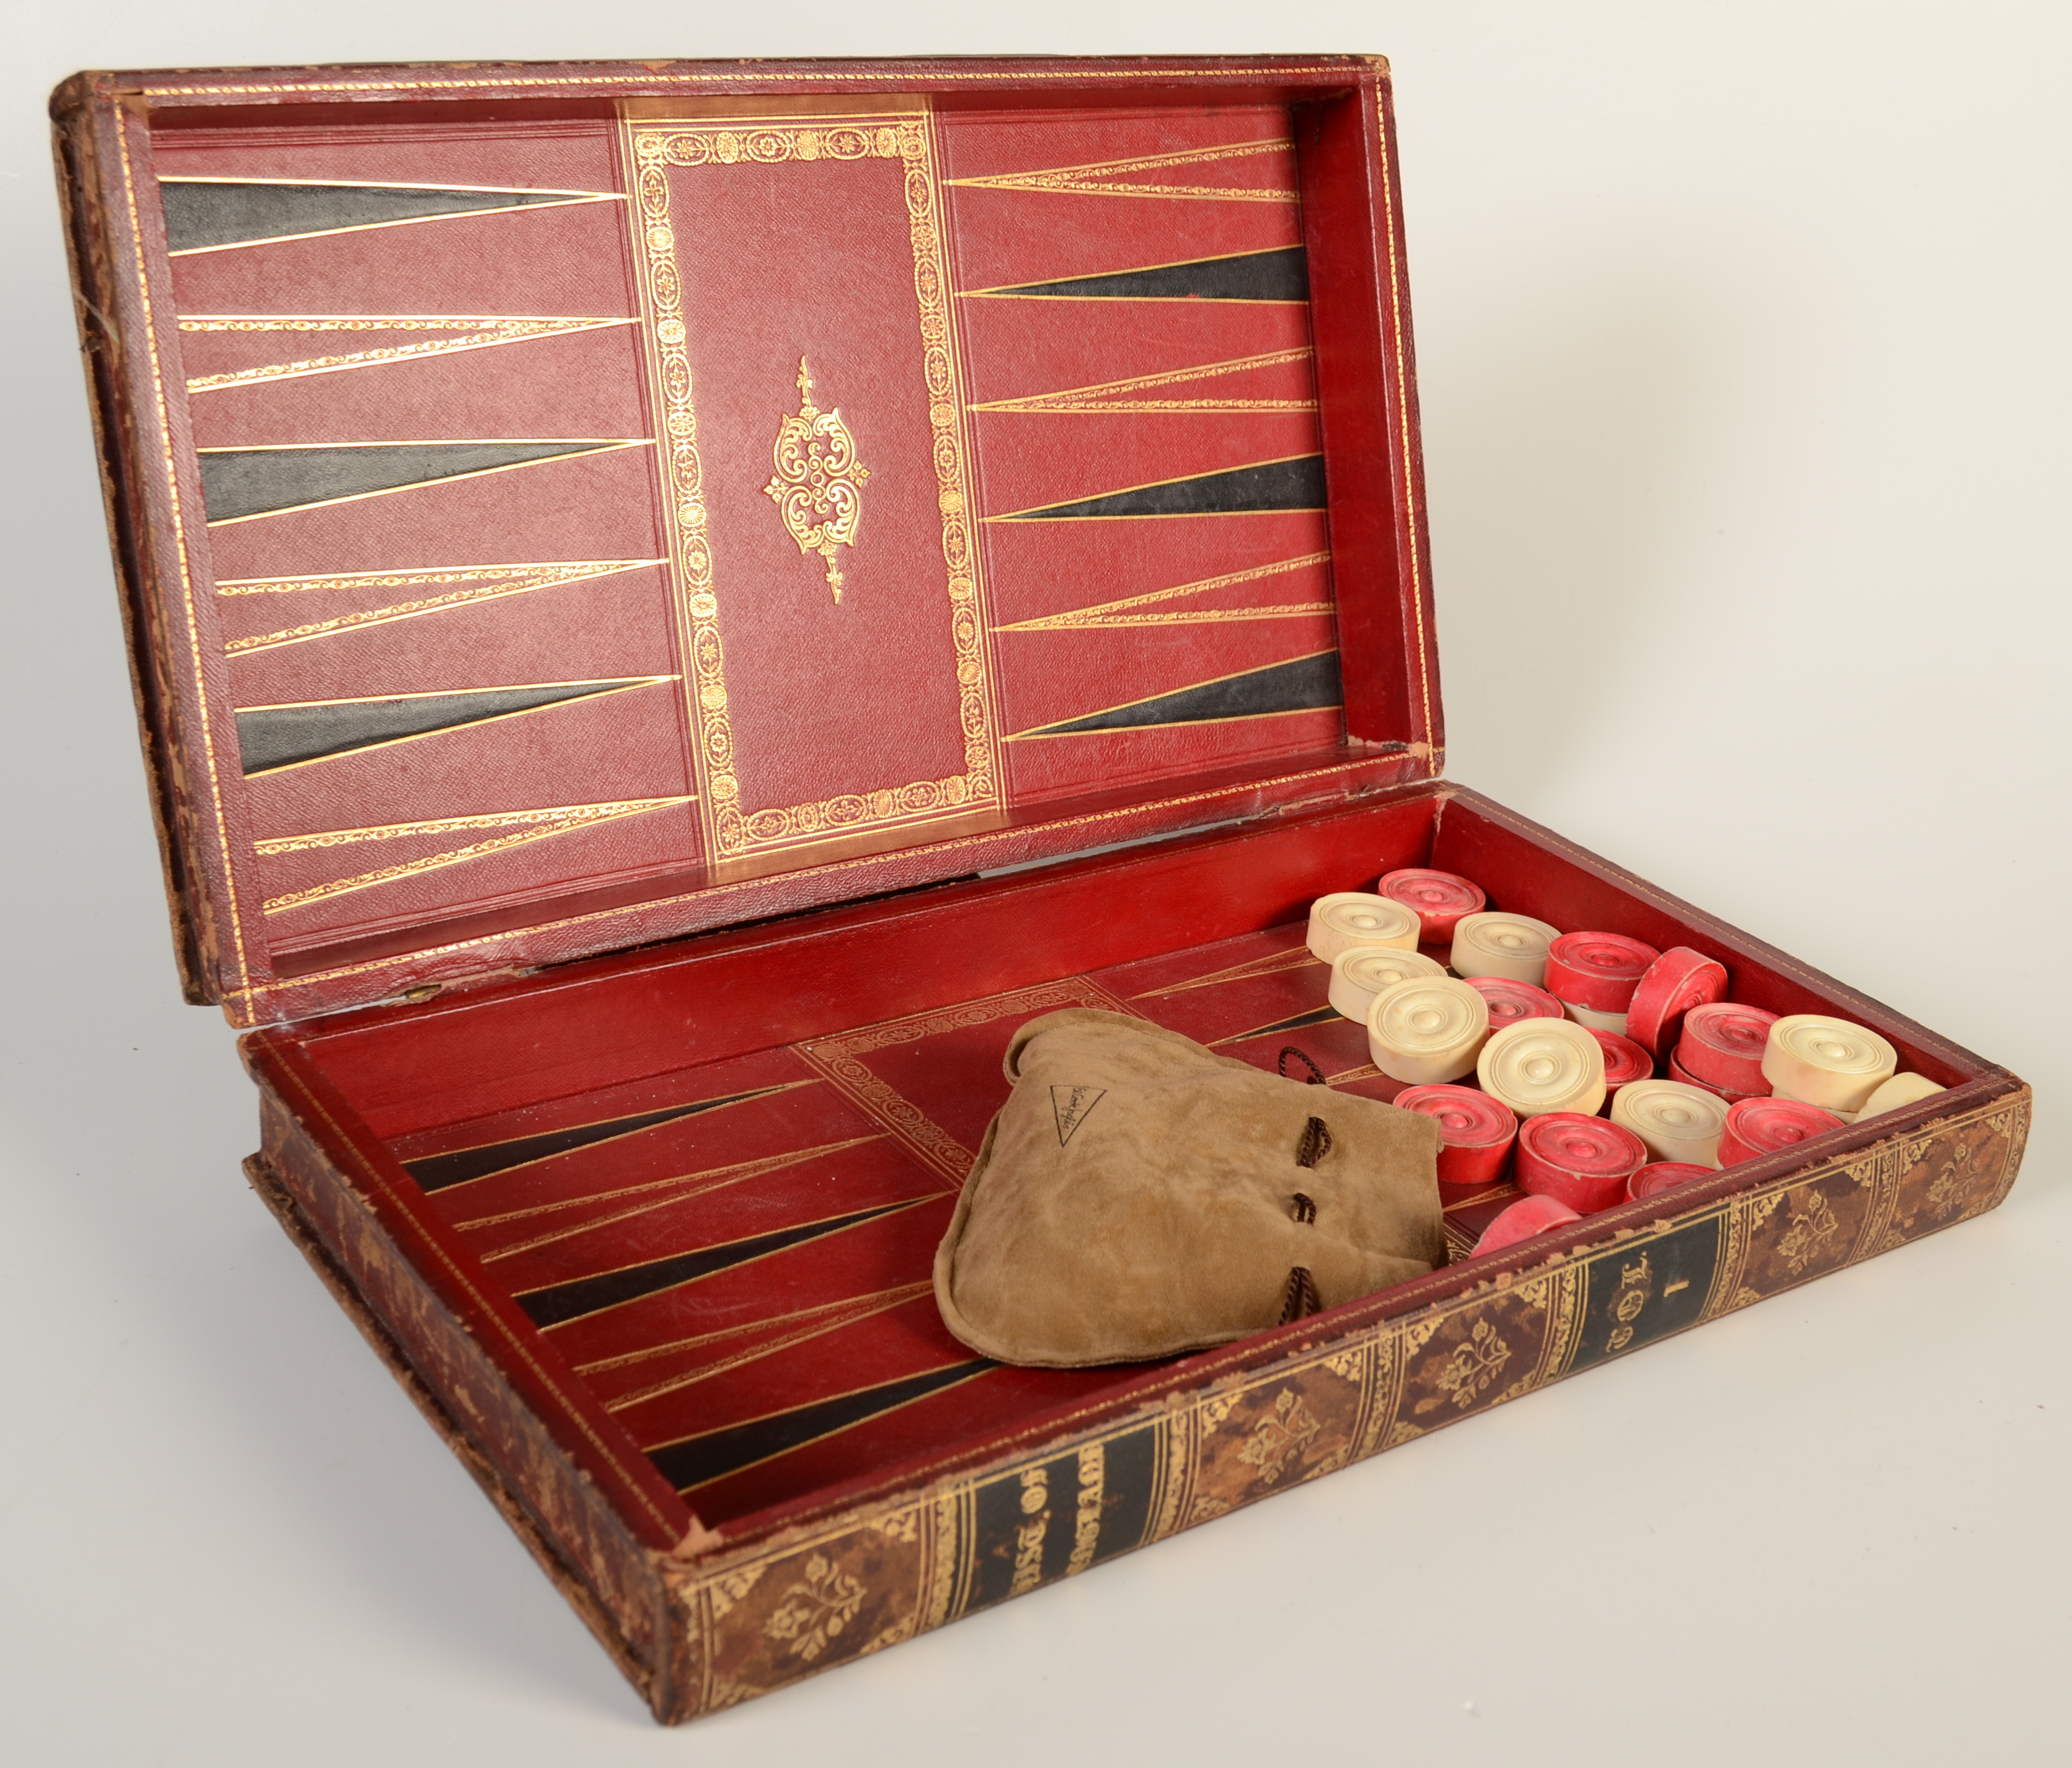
x: 1741, y: 343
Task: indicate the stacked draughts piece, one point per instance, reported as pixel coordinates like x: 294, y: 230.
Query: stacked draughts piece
x: 1587, y: 1068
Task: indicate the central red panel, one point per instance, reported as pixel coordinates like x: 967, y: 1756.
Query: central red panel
x: 808, y: 255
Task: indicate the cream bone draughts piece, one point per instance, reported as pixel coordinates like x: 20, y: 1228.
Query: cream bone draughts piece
x: 1427, y: 1030
x: 1826, y: 1062
x: 1363, y: 971
x: 1509, y: 945
x: 1351, y: 919
x: 1678, y: 1123
x: 1902, y: 1089
x: 1544, y: 1065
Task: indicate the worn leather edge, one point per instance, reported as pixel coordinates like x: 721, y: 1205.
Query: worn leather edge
x: 625, y: 1579
x: 885, y: 1567
x: 509, y: 1506
x: 91, y: 252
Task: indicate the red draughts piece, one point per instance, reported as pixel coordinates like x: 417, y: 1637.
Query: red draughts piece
x: 1582, y: 1161
x: 1529, y: 1216
x: 1478, y: 1130
x: 1511, y: 1001
x: 1722, y: 1046
x: 1624, y: 1060
x: 1678, y: 1071
x: 1599, y: 971
x: 1678, y: 980
x: 1438, y: 899
x: 1762, y: 1126
x: 1664, y: 1175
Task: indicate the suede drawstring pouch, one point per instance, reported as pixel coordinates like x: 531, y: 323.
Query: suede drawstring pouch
x: 1139, y: 1195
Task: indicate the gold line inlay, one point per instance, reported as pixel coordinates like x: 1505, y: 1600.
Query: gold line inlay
x: 444, y: 731
x: 1038, y: 511
x: 204, y: 931
x: 503, y: 580
x: 813, y: 1323
x: 834, y: 1431
x: 1103, y: 178
x: 598, y: 447
x: 471, y: 334
x: 795, y: 1316
x: 1114, y: 614
x: 677, y: 1189
x: 1097, y: 399
x: 564, y: 200
x: 1297, y: 957
x: 540, y: 826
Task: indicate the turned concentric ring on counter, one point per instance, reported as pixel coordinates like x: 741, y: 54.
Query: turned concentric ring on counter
x: 1440, y: 900
x: 1476, y: 1131
x: 1347, y: 919
x: 1582, y: 1160
x: 1542, y: 1065
x: 1821, y: 1060
x: 1362, y: 972
x: 1677, y: 1122
x: 1498, y: 945
x: 1678, y: 980
x: 1427, y: 1030
x: 1723, y: 1045
x: 1756, y: 1127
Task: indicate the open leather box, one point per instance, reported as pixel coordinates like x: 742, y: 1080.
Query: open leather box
x: 675, y: 606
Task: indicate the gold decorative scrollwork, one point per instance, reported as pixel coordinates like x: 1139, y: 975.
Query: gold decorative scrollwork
x: 737, y: 829
x: 818, y: 488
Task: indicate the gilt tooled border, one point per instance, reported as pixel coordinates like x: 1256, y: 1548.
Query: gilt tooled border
x: 732, y: 830
x: 837, y: 1059
x: 208, y: 931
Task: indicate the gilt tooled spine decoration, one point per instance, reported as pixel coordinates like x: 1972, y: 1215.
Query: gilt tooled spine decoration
x: 818, y: 488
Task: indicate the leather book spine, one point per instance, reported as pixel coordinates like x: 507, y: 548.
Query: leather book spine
x: 842, y: 1586
x: 808, y: 1588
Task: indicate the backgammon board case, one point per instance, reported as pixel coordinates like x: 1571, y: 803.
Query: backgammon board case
x: 674, y: 605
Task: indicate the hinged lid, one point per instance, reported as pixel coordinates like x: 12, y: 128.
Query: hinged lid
x: 562, y: 507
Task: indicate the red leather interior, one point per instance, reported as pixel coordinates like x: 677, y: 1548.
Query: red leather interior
x: 850, y: 1063
x: 423, y: 589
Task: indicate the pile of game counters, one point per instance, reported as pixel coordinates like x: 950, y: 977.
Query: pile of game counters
x: 1586, y: 1068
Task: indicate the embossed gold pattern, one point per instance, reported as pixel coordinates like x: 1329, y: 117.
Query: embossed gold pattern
x: 1359, y: 1395
x: 735, y: 830
x: 1107, y: 614
x: 838, y: 1059
x: 818, y: 488
x: 468, y: 332
x: 1280, y: 1436
x: 530, y: 826
x: 815, y: 1608
x: 490, y: 583
x: 1112, y: 177
x: 1125, y: 397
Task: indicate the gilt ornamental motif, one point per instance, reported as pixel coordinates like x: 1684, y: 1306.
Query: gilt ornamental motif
x: 818, y: 488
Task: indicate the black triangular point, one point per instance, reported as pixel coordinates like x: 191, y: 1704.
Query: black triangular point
x: 1316, y: 1016
x: 204, y: 213
x: 435, y: 1172
x: 698, y: 1460
x: 1297, y: 484
x: 1300, y: 684
x: 561, y: 1302
x: 270, y: 737
x: 238, y: 483
x: 1282, y: 274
